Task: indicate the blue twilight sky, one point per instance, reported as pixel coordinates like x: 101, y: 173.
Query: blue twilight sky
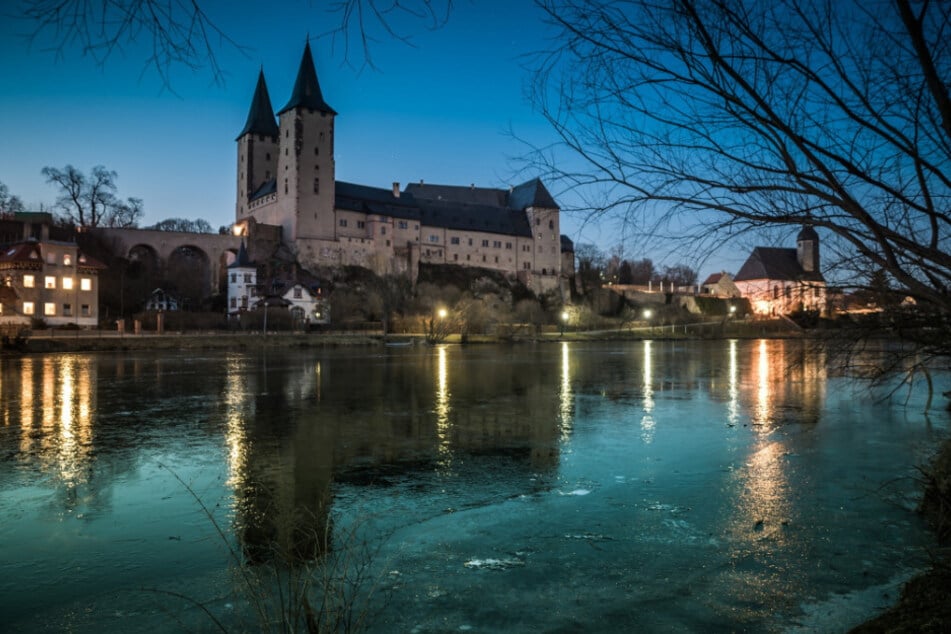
x: 440, y: 109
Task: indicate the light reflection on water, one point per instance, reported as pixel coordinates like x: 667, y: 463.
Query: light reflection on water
x: 740, y: 471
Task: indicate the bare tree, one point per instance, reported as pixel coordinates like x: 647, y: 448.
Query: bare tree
x: 187, y: 34
x: 9, y: 203
x: 732, y: 116
x: 90, y: 201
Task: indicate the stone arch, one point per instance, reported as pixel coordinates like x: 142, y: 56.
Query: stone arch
x: 189, y: 272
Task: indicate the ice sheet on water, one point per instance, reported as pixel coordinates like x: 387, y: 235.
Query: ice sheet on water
x: 576, y: 492
x: 494, y: 564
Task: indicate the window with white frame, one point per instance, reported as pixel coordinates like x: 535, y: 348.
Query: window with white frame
x: 50, y: 281
x: 67, y: 283
x: 29, y: 281
x: 28, y: 308
x: 85, y: 284
x: 49, y: 309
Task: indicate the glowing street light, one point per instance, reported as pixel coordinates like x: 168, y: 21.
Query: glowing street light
x: 564, y: 321
x: 442, y: 313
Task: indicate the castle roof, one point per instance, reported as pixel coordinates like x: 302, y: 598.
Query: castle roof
x: 770, y: 263
x: 531, y: 194
x: 306, y: 93
x: 261, y: 115
x: 242, y: 261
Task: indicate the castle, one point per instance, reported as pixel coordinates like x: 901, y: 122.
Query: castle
x: 286, y: 177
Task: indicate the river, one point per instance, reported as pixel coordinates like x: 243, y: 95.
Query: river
x: 558, y: 487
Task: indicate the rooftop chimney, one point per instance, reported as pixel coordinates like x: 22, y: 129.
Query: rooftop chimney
x: 396, y: 189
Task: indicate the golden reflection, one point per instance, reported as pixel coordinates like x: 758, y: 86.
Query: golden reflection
x: 762, y: 409
x: 442, y: 404
x: 566, y: 399
x: 647, y: 420
x: 27, y: 406
x: 762, y: 508
x: 733, y: 408
x: 237, y: 407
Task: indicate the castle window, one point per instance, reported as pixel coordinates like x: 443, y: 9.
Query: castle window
x: 526, y: 265
x: 485, y: 243
x: 508, y: 245
x: 285, y: 185
x: 468, y: 257
x: 316, y: 185
x: 402, y: 224
x: 361, y: 224
x: 267, y: 156
x: 387, y: 243
x: 483, y: 258
x: 496, y: 259
x: 538, y: 221
x: 551, y: 224
x: 433, y: 238
x: 342, y: 222
x: 455, y: 256
x: 497, y: 244
x: 470, y: 242
x: 267, y: 177
x: 383, y: 230
x: 454, y: 240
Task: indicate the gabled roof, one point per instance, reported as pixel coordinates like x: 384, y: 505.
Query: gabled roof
x: 713, y: 279
x: 807, y: 233
x: 22, y: 253
x: 261, y: 115
x: 531, y: 194
x: 306, y: 93
x: 267, y: 187
x: 242, y: 261
x: 770, y: 263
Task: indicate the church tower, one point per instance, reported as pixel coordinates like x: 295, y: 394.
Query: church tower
x: 305, y: 163
x: 257, y: 149
x: 807, y: 249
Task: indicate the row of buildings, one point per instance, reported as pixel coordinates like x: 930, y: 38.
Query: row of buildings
x: 286, y: 186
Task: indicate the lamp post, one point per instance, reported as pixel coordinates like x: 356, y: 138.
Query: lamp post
x: 648, y: 313
x: 564, y: 321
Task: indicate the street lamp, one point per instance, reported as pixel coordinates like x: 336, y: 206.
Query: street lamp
x: 564, y: 321
x: 647, y: 317
x: 442, y: 313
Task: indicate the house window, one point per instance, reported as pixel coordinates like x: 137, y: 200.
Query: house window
x: 234, y: 302
x: 234, y: 278
x: 297, y: 292
x: 67, y: 283
x: 247, y: 278
x: 454, y: 240
x: 28, y: 308
x: 51, y: 258
x: 67, y: 260
x: 342, y: 222
x: 50, y: 282
x: 84, y: 310
x: 361, y: 224
x: 49, y: 309
x: 67, y: 310
x: 85, y: 284
x: 29, y: 281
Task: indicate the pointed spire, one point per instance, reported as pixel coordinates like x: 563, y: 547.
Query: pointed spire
x: 306, y: 89
x: 242, y: 261
x: 261, y: 115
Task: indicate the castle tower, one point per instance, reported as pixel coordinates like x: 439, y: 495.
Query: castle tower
x: 807, y: 249
x: 305, y: 165
x: 257, y: 149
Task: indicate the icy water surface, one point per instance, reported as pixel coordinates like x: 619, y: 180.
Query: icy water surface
x: 651, y: 486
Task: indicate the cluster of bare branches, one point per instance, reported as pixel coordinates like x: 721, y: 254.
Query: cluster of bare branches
x: 182, y: 34
x: 736, y: 115
x: 90, y: 200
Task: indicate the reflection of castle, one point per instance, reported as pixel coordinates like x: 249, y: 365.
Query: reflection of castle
x: 286, y: 177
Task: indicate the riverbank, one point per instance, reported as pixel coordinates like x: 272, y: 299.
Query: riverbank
x: 923, y: 605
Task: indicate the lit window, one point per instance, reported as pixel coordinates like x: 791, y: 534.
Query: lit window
x: 49, y: 308
x: 67, y: 259
x: 50, y: 282
x: 1, y: 309
x: 29, y: 281
x: 28, y: 308
x: 68, y: 283
x: 85, y: 284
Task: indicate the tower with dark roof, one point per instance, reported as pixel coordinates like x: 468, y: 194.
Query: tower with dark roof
x: 257, y: 149
x: 807, y: 249
x: 305, y: 165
